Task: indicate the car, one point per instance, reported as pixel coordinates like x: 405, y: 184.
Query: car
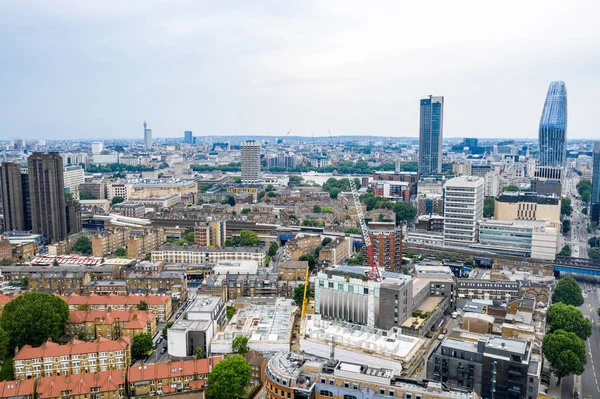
x: 445, y: 331
x: 155, y: 345
x: 158, y: 341
x: 163, y: 350
x: 441, y: 337
x: 454, y: 315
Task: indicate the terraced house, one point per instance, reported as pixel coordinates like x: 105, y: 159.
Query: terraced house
x: 171, y: 377
x: 159, y: 305
x: 76, y: 357
x: 111, y: 324
x: 102, y: 385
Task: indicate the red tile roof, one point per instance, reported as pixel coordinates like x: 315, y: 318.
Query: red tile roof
x: 114, y: 299
x: 79, y: 384
x: 149, y: 372
x: 109, y: 317
x: 16, y: 388
x: 75, y: 347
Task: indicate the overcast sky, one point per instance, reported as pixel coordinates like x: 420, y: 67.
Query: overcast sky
x: 90, y: 69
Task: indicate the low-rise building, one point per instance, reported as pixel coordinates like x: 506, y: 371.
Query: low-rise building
x: 292, y: 270
x: 17, y: 389
x: 5, y: 249
x: 129, y: 209
x: 60, y: 282
x: 258, y: 362
x: 168, y: 378
x: 336, y: 251
x: 111, y: 324
x: 296, y: 247
x: 76, y: 357
x: 171, y: 253
x: 104, y: 384
x: 160, y: 305
x: 488, y: 289
x: 163, y: 282
x: 105, y: 287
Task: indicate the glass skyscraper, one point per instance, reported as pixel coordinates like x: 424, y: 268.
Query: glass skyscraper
x: 553, y: 129
x: 431, y: 135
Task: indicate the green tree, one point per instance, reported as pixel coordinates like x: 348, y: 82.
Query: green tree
x: 565, y: 251
x: 570, y: 319
x: 83, y: 245
x: 273, y: 249
x: 83, y: 306
x: 142, y: 306
x: 584, y: 211
x: 326, y: 241
x: 246, y: 238
x: 488, y: 207
x: 141, y: 345
x: 356, y: 260
x: 189, y: 237
x: 6, y: 262
x: 565, y: 206
x: 237, y: 180
x: 199, y: 353
x: 55, y: 263
x: 299, y: 294
x: 230, y: 200
x: 117, y: 200
x: 4, y: 341
x: 228, y: 379
x: 316, y: 209
x: 24, y: 281
x: 568, y: 292
x: 165, y: 330
x: 121, y: 252
x: 566, y: 226
x: 32, y: 318
x: 511, y: 188
x: 245, y: 211
x: 240, y: 345
x: 593, y: 253
x: 352, y: 230
x: 566, y: 353
x: 86, y: 195
x: 405, y: 212
x: 230, y: 311
x: 318, y: 251
x: 310, y: 259
x: 269, y: 188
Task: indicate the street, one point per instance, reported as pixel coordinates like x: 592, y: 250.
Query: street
x: 590, y: 388
x: 577, y: 239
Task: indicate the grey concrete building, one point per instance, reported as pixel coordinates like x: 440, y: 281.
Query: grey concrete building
x: 395, y: 302
x: 15, y: 197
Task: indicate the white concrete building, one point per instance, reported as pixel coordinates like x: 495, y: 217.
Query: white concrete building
x: 97, y: 147
x: 73, y: 177
x: 492, y: 184
x: 463, y: 209
x: 250, y: 159
x: 117, y: 189
x: 235, y: 267
x: 200, y: 255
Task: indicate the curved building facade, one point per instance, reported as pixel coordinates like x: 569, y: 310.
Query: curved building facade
x: 553, y: 127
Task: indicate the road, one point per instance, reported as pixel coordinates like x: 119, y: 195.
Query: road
x: 590, y: 388
x: 578, y: 237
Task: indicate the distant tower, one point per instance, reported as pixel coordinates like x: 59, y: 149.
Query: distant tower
x: 553, y: 132
x: 250, y: 154
x: 431, y: 130
x: 147, y: 136
x: 188, y: 137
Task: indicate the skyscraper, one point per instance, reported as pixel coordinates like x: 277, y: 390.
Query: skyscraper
x: 15, y: 197
x: 431, y: 135
x: 47, y: 193
x: 187, y: 137
x: 463, y: 209
x: 250, y: 154
x: 147, y: 136
x: 553, y: 132
x: 595, y: 197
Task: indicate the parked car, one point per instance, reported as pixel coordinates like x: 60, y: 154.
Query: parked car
x: 445, y: 331
x: 163, y: 350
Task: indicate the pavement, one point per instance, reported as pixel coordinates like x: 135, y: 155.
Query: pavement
x: 589, y: 378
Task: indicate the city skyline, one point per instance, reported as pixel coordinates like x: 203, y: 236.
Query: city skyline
x: 263, y: 69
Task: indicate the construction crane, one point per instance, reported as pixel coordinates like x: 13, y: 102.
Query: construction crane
x: 305, y: 298
x: 373, y: 274
x: 331, y: 137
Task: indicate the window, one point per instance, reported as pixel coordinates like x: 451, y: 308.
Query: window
x: 326, y: 393
x: 355, y: 387
x: 331, y: 382
x: 323, y: 380
x: 350, y: 397
x: 346, y: 384
x: 382, y: 391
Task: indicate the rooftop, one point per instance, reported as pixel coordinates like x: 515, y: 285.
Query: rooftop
x: 196, y: 248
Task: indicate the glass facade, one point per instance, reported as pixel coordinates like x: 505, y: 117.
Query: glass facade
x: 431, y: 135
x: 553, y: 127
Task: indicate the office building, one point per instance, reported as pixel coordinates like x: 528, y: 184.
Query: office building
x: 147, y: 137
x: 463, y: 209
x: 595, y: 197
x: 187, y: 137
x: 431, y: 135
x: 47, y: 193
x: 526, y: 206
x: 553, y: 132
x: 15, y: 197
x: 97, y: 147
x: 250, y: 158
x: 73, y: 177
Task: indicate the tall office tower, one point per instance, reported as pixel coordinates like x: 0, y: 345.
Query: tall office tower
x: 553, y: 133
x: 595, y: 197
x: 431, y: 135
x: 463, y: 208
x: 187, y: 137
x: 147, y: 136
x: 250, y: 161
x: 15, y: 197
x: 47, y: 193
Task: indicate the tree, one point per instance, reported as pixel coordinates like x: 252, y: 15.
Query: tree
x: 352, y: 230
x: 565, y: 251
x: 488, y: 207
x: 593, y: 254
x: 405, y: 212
x: 83, y: 245
x: 326, y: 241
x: 121, y: 252
x: 299, y: 294
x: 4, y: 341
x: 117, y: 200
x: 570, y: 319
x: 6, y: 262
x: 246, y: 238
x: 566, y: 226
x: 273, y: 249
x: 86, y: 195
x: 199, y: 353
x: 584, y: 211
x: 68, y: 196
x: 189, y: 237
x: 511, y: 188
x: 24, y: 281
x: 269, y: 188
x: 230, y: 311
x: 240, y: 345
x: 565, y: 206
x: 55, y: 263
x: 230, y: 200
x: 568, y: 292
x: 142, y: 306
x: 228, y: 378
x: 245, y: 211
x: 237, y: 180
x: 566, y: 353
x: 356, y: 260
x: 32, y: 318
x: 310, y: 259
x: 584, y: 188
x: 141, y: 345
x: 316, y: 209
x: 165, y: 329
x: 318, y: 251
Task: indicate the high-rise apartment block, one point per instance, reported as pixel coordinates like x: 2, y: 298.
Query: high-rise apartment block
x: 431, y: 135
x: 47, y: 194
x: 147, y: 137
x: 595, y: 197
x: 73, y: 176
x: 250, y: 154
x: 386, y: 239
x: 15, y: 197
x: 553, y: 133
x: 188, y: 137
x: 463, y: 208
